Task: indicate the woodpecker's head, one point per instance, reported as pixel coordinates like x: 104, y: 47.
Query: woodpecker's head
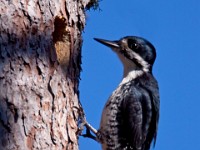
x: 135, y: 53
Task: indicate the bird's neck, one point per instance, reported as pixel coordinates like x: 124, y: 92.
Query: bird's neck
x: 131, y: 70
x: 131, y: 75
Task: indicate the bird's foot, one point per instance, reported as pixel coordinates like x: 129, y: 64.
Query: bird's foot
x: 89, y: 128
x: 89, y: 135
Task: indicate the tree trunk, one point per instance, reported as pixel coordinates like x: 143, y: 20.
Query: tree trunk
x: 40, y: 56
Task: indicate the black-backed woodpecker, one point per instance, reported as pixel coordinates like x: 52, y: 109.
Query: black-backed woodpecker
x: 130, y: 116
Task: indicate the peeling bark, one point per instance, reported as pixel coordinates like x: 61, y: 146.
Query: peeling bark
x: 40, y: 57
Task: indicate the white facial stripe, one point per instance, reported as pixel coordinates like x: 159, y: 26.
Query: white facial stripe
x: 145, y: 65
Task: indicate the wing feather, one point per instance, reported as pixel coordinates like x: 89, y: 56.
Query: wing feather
x: 137, y: 115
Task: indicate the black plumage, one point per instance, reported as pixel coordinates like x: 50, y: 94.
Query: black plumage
x: 130, y: 116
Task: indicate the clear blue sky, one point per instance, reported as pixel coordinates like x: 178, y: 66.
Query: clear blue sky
x: 173, y: 26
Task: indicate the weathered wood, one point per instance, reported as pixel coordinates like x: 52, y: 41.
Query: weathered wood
x: 40, y: 57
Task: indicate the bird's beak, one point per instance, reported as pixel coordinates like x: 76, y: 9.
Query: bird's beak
x: 111, y: 44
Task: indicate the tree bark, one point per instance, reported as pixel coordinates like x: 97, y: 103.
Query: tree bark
x: 40, y: 57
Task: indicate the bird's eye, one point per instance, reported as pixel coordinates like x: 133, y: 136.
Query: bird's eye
x: 132, y: 45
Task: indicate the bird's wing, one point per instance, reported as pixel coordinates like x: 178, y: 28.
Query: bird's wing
x: 137, y: 115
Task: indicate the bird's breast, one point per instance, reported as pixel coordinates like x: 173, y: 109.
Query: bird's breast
x: 111, y: 119
x: 111, y: 109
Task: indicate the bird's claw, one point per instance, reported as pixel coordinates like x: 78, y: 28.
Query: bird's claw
x: 88, y: 134
x: 89, y: 128
x: 81, y: 126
